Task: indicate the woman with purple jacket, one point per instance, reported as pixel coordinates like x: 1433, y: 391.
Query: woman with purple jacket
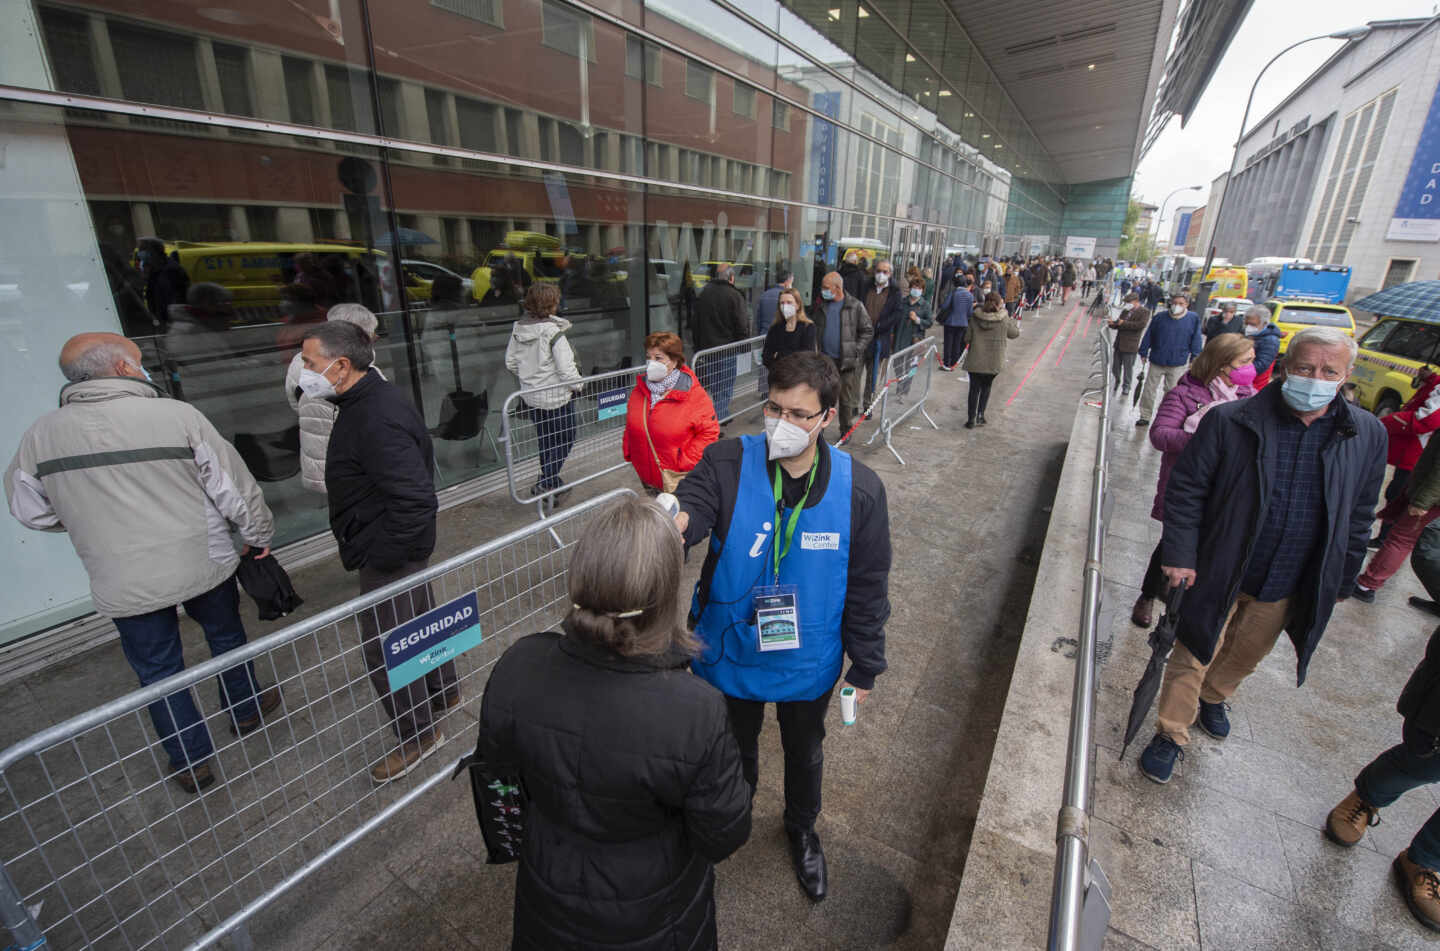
x: 1224, y: 371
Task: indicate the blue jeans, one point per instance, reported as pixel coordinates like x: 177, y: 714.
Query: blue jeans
x: 556, y: 429
x: 152, y: 646
x: 879, y: 367
x: 717, y: 376
x: 1399, y: 769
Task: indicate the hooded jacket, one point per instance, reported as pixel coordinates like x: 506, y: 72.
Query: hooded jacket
x: 539, y: 355
x: 986, y: 336
x: 633, y: 791
x: 1411, y: 425
x: 1219, y: 492
x: 145, y: 486
x: 379, y: 472
x: 682, y: 423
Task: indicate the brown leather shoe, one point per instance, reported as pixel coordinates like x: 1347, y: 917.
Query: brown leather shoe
x: 194, y: 779
x: 1348, y: 821
x: 405, y: 758
x: 1141, y: 614
x: 444, y: 703
x: 269, y: 700
x: 1420, y: 888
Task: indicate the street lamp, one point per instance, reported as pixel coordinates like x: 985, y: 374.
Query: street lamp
x: 1160, y: 222
x: 1353, y: 33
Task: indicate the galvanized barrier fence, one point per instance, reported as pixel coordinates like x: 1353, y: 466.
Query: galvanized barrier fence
x: 98, y: 848
x: 566, y: 434
x: 908, y: 375
x: 732, y: 375
x: 1080, y: 897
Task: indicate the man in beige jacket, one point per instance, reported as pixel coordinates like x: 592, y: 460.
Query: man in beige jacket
x: 148, y: 490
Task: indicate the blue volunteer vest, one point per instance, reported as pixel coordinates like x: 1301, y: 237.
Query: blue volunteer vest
x: 817, y: 565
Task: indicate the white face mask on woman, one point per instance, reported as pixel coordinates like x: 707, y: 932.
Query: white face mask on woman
x: 655, y: 370
x: 787, y: 310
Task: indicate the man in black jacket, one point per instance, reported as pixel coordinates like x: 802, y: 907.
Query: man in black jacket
x: 382, y: 511
x: 796, y: 575
x: 720, y: 317
x: 1415, y: 761
x: 1267, y: 513
x: 883, y: 301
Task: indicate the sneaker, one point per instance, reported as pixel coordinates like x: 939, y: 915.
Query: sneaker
x: 1158, y: 760
x: 269, y: 700
x: 1420, y: 887
x: 1142, y: 614
x: 1142, y: 422
x: 1363, y: 595
x: 1212, y: 720
x: 1348, y: 821
x: 443, y: 704
x: 1125, y: 391
x: 405, y: 758
x: 1429, y: 607
x: 194, y: 778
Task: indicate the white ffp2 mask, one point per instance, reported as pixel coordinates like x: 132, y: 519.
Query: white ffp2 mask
x: 786, y: 439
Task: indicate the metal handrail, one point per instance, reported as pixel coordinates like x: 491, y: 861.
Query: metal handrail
x: 1072, y: 852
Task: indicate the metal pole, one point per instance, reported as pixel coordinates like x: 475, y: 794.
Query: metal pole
x: 24, y: 931
x: 1245, y: 120
x: 1072, y: 848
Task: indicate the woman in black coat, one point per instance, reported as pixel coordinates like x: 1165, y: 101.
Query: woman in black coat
x: 790, y: 332
x: 632, y: 781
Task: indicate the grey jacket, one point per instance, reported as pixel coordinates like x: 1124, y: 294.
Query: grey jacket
x: 986, y: 336
x: 145, y: 486
x: 856, y: 329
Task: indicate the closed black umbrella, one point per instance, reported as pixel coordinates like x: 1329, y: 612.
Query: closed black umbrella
x: 1162, y: 640
x: 266, y: 581
x: 1139, y: 384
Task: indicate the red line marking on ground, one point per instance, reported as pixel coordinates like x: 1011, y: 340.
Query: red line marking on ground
x: 1058, y: 330
x: 1087, y: 321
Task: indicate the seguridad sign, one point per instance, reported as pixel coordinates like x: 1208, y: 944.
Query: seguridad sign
x: 1417, y: 213
x: 418, y: 646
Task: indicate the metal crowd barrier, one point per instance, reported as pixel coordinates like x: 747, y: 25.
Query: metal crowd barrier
x: 732, y: 375
x: 901, y: 396
x: 99, y: 849
x: 1080, y: 897
x: 581, y: 440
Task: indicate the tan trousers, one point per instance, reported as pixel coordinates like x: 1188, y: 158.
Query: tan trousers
x: 1248, y: 636
x: 1153, y: 390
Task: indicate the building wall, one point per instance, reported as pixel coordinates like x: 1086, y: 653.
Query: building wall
x: 1097, y: 210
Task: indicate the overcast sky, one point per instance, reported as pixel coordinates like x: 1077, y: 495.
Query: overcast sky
x: 1202, y: 150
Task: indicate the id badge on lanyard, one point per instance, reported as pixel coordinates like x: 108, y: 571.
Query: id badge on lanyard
x: 776, y: 607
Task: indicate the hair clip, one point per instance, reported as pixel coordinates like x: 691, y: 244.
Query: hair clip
x: 615, y: 614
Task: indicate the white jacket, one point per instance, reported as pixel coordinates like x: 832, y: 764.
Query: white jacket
x: 540, y: 356
x: 317, y: 419
x: 146, y: 488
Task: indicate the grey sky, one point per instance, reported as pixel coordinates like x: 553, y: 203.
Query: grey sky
x: 1202, y: 150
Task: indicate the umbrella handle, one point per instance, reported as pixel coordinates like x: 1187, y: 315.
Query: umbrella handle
x: 1174, y: 597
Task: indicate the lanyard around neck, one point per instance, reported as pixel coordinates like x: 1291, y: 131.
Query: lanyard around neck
x: 780, y: 553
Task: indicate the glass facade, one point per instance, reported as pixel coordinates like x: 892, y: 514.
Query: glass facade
x: 431, y: 159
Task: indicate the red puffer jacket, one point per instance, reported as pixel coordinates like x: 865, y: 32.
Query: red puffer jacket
x: 1410, y: 426
x: 682, y: 424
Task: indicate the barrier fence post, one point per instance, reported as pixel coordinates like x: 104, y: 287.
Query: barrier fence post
x: 902, y: 371
x: 24, y: 932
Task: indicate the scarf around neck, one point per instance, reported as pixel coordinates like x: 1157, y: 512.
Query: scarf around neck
x: 658, y: 390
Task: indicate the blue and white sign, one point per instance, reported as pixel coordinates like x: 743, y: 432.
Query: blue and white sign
x: 822, y: 147
x: 1182, y: 229
x: 418, y: 646
x: 610, y: 404
x: 1417, y: 213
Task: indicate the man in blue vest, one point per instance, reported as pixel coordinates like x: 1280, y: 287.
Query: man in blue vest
x: 796, y: 576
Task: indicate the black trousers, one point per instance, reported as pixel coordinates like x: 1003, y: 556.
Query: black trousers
x: 802, y: 735
x: 409, y: 707
x: 954, y: 345
x: 979, y: 395
x: 1154, y: 585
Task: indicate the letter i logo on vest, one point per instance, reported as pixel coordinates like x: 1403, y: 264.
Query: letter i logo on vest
x: 757, y: 549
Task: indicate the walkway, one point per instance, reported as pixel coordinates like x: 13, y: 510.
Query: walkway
x: 969, y: 515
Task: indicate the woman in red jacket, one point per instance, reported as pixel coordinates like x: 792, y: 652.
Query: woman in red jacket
x: 669, y: 420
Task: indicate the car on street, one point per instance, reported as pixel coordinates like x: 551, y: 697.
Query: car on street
x: 1293, y: 316
x: 429, y: 270
x: 1391, y: 355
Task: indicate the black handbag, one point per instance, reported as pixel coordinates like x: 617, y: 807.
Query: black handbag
x: 499, y: 803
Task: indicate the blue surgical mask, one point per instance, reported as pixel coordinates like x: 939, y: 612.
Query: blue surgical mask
x: 915, y: 293
x: 143, y: 372
x: 826, y: 293
x: 1306, y: 394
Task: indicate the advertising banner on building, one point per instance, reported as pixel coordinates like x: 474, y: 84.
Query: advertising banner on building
x: 822, y: 148
x: 1079, y: 247
x: 1417, y: 213
x: 1182, y: 227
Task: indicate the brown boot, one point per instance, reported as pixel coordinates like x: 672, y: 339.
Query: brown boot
x: 267, y: 701
x: 197, y: 777
x: 405, y: 758
x: 1420, y: 887
x: 1348, y: 821
x: 1140, y: 614
x: 444, y: 703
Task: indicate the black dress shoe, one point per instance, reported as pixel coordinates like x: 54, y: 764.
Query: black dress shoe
x: 809, y: 860
x: 1429, y: 607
